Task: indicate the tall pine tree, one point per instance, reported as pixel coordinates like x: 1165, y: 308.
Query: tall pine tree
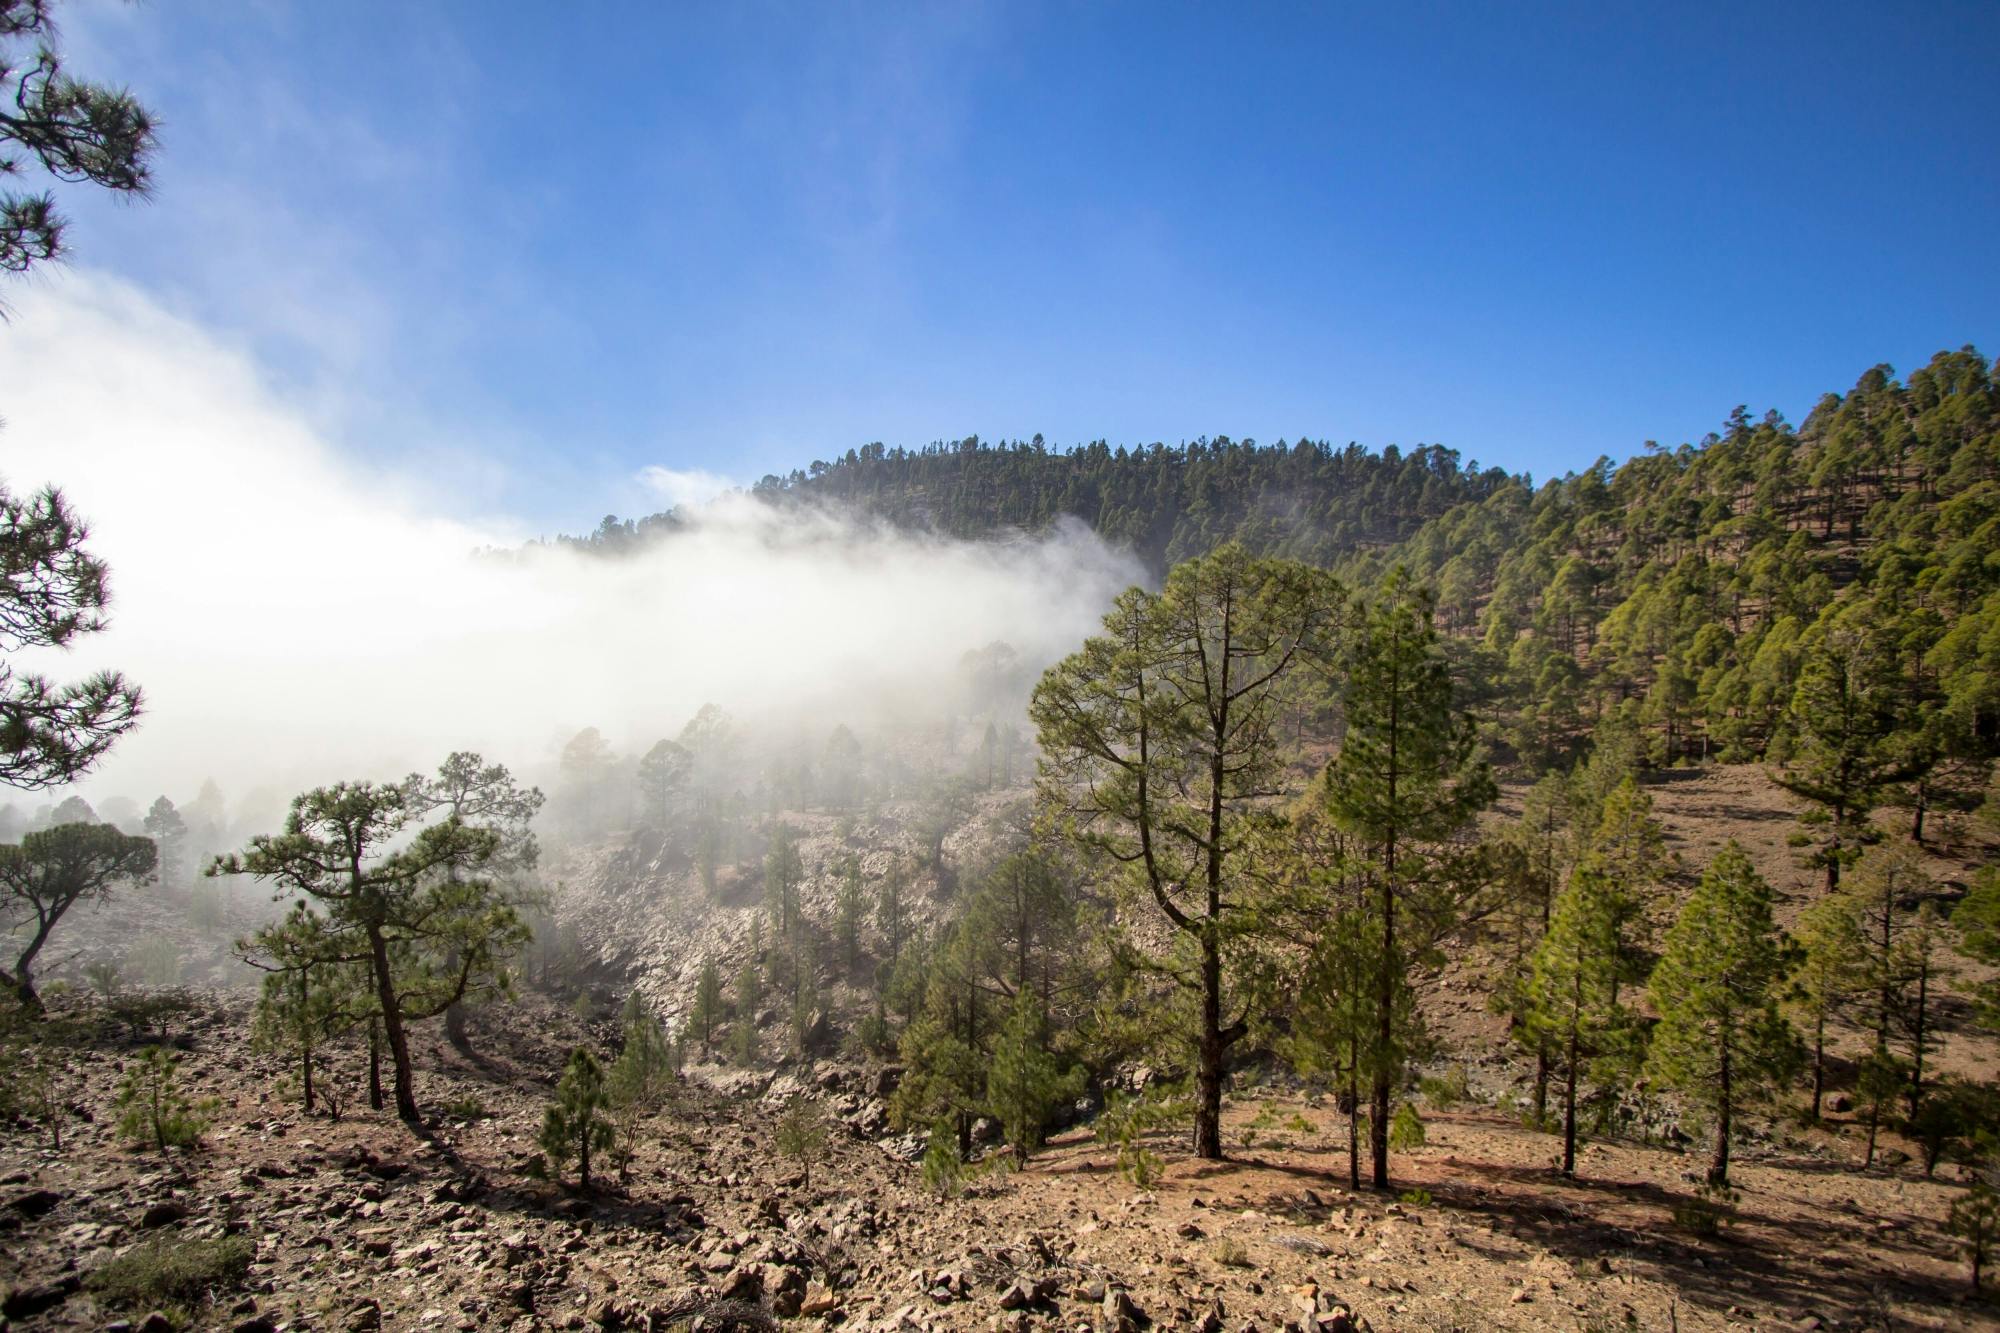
x: 1407, y: 780
x: 1720, y: 1040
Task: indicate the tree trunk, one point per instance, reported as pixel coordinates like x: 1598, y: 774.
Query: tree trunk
x: 1916, y: 1093
x: 23, y: 988
x: 455, y: 1029
x: 1208, y: 1074
x: 1569, y: 1105
x: 1385, y: 1031
x: 1718, y: 1167
x: 22, y: 983
x: 583, y: 1156
x: 1353, y: 1131
x: 392, y: 1028
x: 1819, y: 1062
x: 1541, y: 1085
x: 374, y: 1065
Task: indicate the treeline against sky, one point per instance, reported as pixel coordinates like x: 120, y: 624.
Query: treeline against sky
x: 1682, y: 590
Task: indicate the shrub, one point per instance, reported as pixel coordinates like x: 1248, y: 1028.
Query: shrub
x: 1229, y: 1252
x: 1127, y: 1119
x: 156, y: 962
x: 1975, y: 1221
x: 802, y: 1135
x: 28, y: 1087
x: 1406, y: 1129
x: 1705, y: 1214
x: 575, y: 1123
x: 172, y: 1272
x: 104, y: 976
x: 943, y: 1171
x: 1416, y: 1198
x: 1447, y: 1089
x: 152, y: 1107
x: 465, y: 1107
x: 1266, y: 1119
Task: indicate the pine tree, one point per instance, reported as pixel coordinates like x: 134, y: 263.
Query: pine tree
x: 1631, y: 848
x: 1829, y: 975
x: 641, y: 1077
x: 1026, y: 1081
x: 1720, y: 1039
x: 1975, y: 1220
x: 1898, y: 962
x: 643, y: 1073
x: 154, y: 1108
x: 1917, y: 1018
x: 892, y: 909
x: 946, y: 1046
x: 429, y: 939
x: 801, y: 1135
x: 312, y: 992
x: 850, y: 910
x: 662, y: 775
x: 749, y: 998
x: 1572, y: 991
x: 51, y: 871
x: 782, y: 872
x: 1844, y: 714
x: 1406, y: 781
x: 576, y: 1124
x: 484, y: 796
x: 1529, y: 859
x: 1977, y: 919
x: 1162, y: 742
x: 169, y: 832
x: 1880, y: 1081
x: 1336, y: 1035
x: 707, y: 1003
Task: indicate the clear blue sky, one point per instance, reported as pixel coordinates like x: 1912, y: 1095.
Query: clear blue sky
x: 565, y: 242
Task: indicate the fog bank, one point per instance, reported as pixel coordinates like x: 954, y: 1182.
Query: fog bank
x: 296, y: 617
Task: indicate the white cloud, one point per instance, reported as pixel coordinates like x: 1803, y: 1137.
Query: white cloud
x: 296, y: 617
x: 671, y: 488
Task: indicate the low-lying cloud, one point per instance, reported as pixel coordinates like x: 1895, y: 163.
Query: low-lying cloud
x: 296, y: 617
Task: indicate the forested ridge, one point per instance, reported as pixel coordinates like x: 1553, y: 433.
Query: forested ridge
x: 1683, y: 590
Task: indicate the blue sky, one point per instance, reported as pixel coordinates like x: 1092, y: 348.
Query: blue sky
x: 547, y: 247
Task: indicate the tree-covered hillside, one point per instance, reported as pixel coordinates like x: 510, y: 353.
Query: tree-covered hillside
x: 1685, y: 591
x: 1694, y: 589
x: 1310, y: 501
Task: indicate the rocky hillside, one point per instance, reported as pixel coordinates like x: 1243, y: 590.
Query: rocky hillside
x: 305, y: 1222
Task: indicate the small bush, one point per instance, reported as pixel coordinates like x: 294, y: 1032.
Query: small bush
x: 1127, y: 1119
x: 29, y: 1090
x: 1975, y: 1221
x: 1266, y: 1119
x: 155, y: 962
x: 1139, y: 1164
x: 1710, y: 1210
x: 1416, y: 1198
x: 1406, y: 1129
x: 871, y: 1036
x: 1447, y: 1089
x: 172, y: 1272
x: 465, y: 1107
x: 1229, y: 1252
x: 943, y: 1171
x: 153, y: 1110
x: 802, y: 1135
